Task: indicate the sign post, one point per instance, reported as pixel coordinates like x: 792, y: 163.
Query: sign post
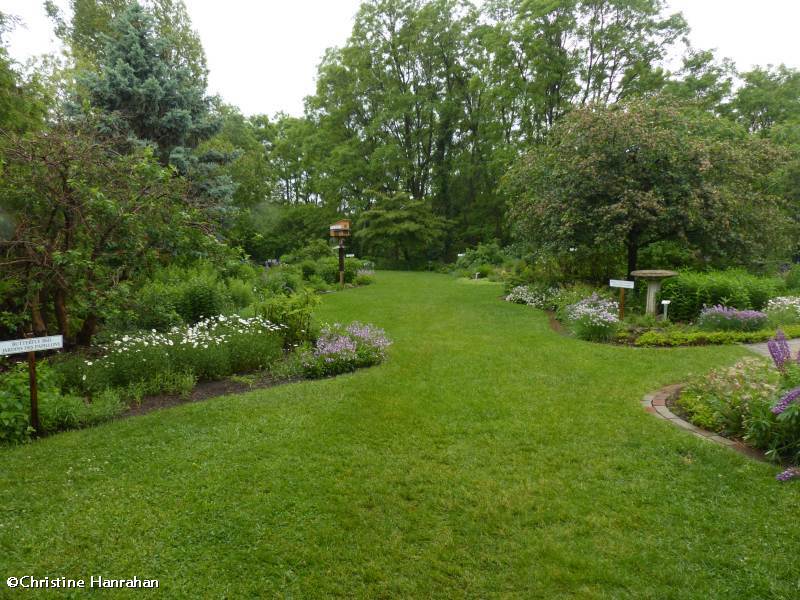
x: 29, y: 346
x: 622, y: 285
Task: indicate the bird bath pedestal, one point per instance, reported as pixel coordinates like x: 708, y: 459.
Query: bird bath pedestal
x: 654, y: 279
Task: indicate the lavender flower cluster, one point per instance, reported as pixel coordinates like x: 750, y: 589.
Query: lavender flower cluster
x: 781, y: 355
x: 779, y: 351
x: 341, y: 349
x: 594, y: 310
x: 785, y: 401
x: 538, y: 298
x: 725, y: 318
x: 788, y: 474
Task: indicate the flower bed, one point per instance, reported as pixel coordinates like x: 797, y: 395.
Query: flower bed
x: 153, y: 362
x: 723, y: 318
x: 594, y: 318
x: 783, y: 310
x: 77, y: 391
x: 537, y: 297
x: 342, y: 349
x: 752, y: 401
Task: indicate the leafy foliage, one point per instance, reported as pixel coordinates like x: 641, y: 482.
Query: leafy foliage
x: 690, y: 291
x: 616, y: 179
x: 87, y: 220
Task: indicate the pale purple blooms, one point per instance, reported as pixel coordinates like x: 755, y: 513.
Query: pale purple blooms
x: 340, y: 348
x: 787, y: 399
x: 779, y: 350
x: 595, y: 310
x: 788, y: 474
x: 724, y: 317
x: 369, y: 334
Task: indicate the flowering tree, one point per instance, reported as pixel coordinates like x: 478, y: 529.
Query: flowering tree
x: 615, y: 179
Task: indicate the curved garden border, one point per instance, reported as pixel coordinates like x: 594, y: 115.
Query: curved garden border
x: 656, y: 403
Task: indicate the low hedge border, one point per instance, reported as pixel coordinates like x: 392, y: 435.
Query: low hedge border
x: 704, y: 338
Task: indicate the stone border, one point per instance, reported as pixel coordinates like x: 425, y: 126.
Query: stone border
x: 656, y: 403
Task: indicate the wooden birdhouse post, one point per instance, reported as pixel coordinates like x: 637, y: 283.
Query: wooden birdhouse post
x: 339, y: 231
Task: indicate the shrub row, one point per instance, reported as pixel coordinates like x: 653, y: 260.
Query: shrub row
x: 690, y: 292
x: 670, y: 338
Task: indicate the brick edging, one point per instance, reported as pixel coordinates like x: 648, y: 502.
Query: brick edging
x: 656, y: 403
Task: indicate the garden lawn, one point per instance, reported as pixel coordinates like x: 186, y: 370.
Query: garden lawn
x: 488, y: 457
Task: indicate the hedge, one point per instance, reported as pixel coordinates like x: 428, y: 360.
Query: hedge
x: 689, y: 292
x: 703, y: 338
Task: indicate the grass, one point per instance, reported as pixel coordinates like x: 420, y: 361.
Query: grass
x: 489, y: 457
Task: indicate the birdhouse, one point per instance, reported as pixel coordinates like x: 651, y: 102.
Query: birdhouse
x: 340, y: 229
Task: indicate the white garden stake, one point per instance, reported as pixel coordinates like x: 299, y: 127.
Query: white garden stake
x: 665, y: 304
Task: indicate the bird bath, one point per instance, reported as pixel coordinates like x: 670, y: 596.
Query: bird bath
x: 654, y: 279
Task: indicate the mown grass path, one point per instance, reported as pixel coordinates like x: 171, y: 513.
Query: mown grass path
x: 489, y: 457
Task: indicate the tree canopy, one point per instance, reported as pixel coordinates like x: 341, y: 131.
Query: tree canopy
x: 616, y: 179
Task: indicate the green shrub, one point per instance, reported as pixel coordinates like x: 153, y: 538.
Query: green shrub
x: 484, y: 256
x: 313, y: 251
x: 308, y: 269
x: 677, y: 337
x: 14, y: 405
x: 328, y: 269
x: 364, y: 279
x: 241, y: 292
x: 691, y: 291
x: 792, y: 278
x: 61, y: 412
x: 284, y: 280
x: 57, y: 410
x: 156, y: 307
x: 201, y: 296
x: 293, y: 312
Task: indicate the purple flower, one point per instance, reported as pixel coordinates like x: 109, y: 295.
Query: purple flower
x: 779, y: 350
x: 788, y: 474
x: 787, y: 399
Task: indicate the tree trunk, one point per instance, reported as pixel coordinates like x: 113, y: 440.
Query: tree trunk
x: 60, y: 305
x: 37, y: 321
x: 88, y: 328
x: 633, y: 253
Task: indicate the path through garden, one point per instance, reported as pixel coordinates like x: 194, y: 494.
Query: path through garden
x: 488, y: 457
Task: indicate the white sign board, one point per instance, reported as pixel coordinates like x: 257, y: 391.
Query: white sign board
x: 621, y: 283
x: 52, y: 342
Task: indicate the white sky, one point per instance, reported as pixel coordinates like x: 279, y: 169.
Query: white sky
x: 263, y: 54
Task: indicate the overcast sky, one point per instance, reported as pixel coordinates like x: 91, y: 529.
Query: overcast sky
x: 263, y: 54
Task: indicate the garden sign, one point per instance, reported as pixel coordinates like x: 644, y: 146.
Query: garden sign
x: 31, y: 346
x: 623, y: 285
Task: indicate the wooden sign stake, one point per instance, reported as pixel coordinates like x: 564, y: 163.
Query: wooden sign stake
x: 34, y: 388
x: 621, y: 304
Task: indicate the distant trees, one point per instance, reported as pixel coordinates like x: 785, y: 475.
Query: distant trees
x: 23, y: 100
x: 614, y: 180
x: 435, y: 99
x: 401, y: 229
